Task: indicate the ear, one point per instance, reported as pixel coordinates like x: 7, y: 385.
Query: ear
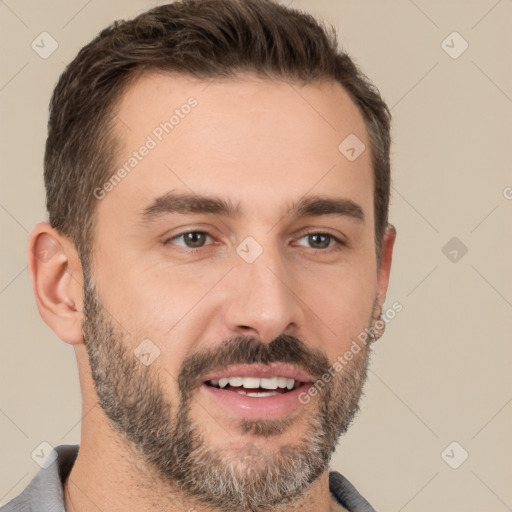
x: 385, y: 263
x: 57, y: 280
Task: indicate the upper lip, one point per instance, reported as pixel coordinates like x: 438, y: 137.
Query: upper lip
x: 261, y: 371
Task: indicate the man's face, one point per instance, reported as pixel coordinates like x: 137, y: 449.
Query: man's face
x: 261, y: 290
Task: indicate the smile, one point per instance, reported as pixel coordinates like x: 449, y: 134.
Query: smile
x: 257, y: 391
x: 242, y: 385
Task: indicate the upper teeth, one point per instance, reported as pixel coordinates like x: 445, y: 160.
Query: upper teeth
x: 254, y: 382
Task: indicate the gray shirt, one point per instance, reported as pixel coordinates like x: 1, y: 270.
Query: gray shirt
x: 45, y: 492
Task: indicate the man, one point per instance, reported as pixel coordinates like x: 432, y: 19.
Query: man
x: 218, y: 254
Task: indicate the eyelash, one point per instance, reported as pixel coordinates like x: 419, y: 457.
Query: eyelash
x: 339, y: 243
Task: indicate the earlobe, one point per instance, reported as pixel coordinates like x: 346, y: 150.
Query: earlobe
x: 57, y: 280
x: 385, y: 263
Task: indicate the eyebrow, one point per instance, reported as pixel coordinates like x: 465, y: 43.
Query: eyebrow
x: 183, y: 203
x: 189, y: 203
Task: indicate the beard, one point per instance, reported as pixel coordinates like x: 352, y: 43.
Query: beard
x: 163, y: 435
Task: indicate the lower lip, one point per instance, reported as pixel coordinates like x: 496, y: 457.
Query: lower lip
x: 269, y: 407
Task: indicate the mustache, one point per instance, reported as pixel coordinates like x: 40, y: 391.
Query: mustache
x: 250, y: 350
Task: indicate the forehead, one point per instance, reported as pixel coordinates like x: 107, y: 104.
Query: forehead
x: 241, y: 136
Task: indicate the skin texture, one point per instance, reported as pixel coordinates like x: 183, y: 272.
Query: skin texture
x: 262, y: 145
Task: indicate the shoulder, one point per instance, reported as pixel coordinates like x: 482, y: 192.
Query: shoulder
x: 347, y: 495
x: 45, y: 492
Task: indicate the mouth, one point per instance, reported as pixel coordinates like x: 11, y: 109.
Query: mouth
x: 254, y: 386
x: 258, y: 391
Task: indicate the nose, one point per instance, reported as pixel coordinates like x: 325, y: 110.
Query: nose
x: 261, y: 301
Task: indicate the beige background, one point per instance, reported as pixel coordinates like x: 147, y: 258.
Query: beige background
x: 442, y: 372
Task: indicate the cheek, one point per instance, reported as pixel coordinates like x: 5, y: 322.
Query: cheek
x: 167, y: 307
x: 158, y: 297
x: 343, y: 305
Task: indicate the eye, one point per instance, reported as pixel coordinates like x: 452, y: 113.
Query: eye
x: 321, y: 240
x: 191, y: 239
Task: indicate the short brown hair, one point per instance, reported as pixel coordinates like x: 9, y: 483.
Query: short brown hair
x: 203, y: 39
